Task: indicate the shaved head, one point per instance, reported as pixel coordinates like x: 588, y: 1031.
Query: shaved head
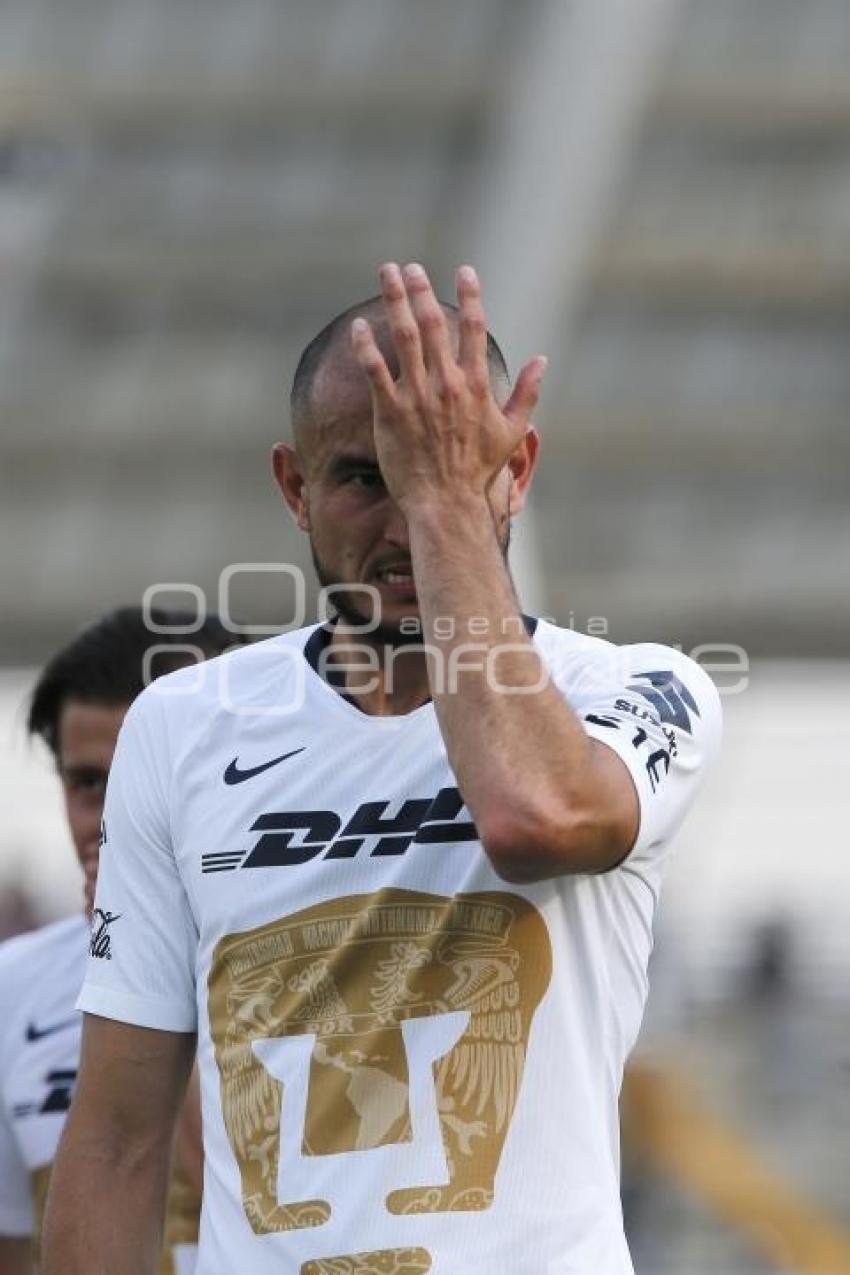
x: 329, y: 382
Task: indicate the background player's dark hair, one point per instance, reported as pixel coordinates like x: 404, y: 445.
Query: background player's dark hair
x: 337, y: 331
x: 105, y: 662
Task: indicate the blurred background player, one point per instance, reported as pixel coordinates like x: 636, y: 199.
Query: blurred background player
x: 77, y: 708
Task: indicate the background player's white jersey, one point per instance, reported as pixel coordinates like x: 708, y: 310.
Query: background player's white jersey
x: 408, y: 1064
x: 40, y: 978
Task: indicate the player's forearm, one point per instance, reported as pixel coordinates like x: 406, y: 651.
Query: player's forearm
x: 522, y: 759
x: 105, y: 1207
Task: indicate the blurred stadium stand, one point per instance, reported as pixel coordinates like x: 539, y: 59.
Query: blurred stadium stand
x: 189, y: 190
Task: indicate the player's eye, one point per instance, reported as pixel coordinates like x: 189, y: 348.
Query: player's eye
x: 86, y: 780
x: 370, y: 479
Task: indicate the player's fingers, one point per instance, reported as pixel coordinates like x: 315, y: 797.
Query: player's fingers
x: 372, y: 362
x: 433, y: 328
x: 473, y: 327
x: 404, y: 329
x: 526, y: 392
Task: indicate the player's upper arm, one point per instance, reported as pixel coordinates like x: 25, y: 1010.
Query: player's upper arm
x: 131, y: 1081
x: 110, y: 1176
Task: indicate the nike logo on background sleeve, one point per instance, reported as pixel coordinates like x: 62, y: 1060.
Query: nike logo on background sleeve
x: 233, y: 775
x: 38, y: 1033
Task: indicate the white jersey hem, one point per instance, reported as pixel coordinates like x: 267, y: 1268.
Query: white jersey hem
x: 139, y: 1011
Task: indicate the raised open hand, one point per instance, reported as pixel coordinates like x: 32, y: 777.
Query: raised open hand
x: 439, y: 430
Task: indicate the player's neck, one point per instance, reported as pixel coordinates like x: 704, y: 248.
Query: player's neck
x: 381, y: 679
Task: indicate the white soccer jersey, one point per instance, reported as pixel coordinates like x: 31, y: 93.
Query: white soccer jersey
x: 40, y: 978
x: 407, y: 1063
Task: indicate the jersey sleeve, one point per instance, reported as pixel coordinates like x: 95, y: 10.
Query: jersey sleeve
x: 143, y: 938
x: 660, y: 712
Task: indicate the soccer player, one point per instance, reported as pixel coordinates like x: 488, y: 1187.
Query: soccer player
x: 77, y: 707
x: 398, y: 871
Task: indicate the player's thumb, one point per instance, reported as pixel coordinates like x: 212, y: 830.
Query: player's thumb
x: 526, y: 392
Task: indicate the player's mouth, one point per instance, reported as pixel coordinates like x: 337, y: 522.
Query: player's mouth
x: 397, y: 579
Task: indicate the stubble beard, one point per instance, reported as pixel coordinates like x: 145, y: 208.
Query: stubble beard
x: 405, y: 632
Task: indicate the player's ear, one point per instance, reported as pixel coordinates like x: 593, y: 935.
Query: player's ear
x: 521, y: 466
x: 289, y: 477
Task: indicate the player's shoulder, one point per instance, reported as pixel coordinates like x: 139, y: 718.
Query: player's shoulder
x: 245, y: 675
x: 584, y: 663
x: 27, y: 952
x: 40, y: 957
x: 666, y: 675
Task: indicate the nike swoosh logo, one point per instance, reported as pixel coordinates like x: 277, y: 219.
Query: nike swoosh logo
x: 38, y: 1033
x: 233, y: 775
